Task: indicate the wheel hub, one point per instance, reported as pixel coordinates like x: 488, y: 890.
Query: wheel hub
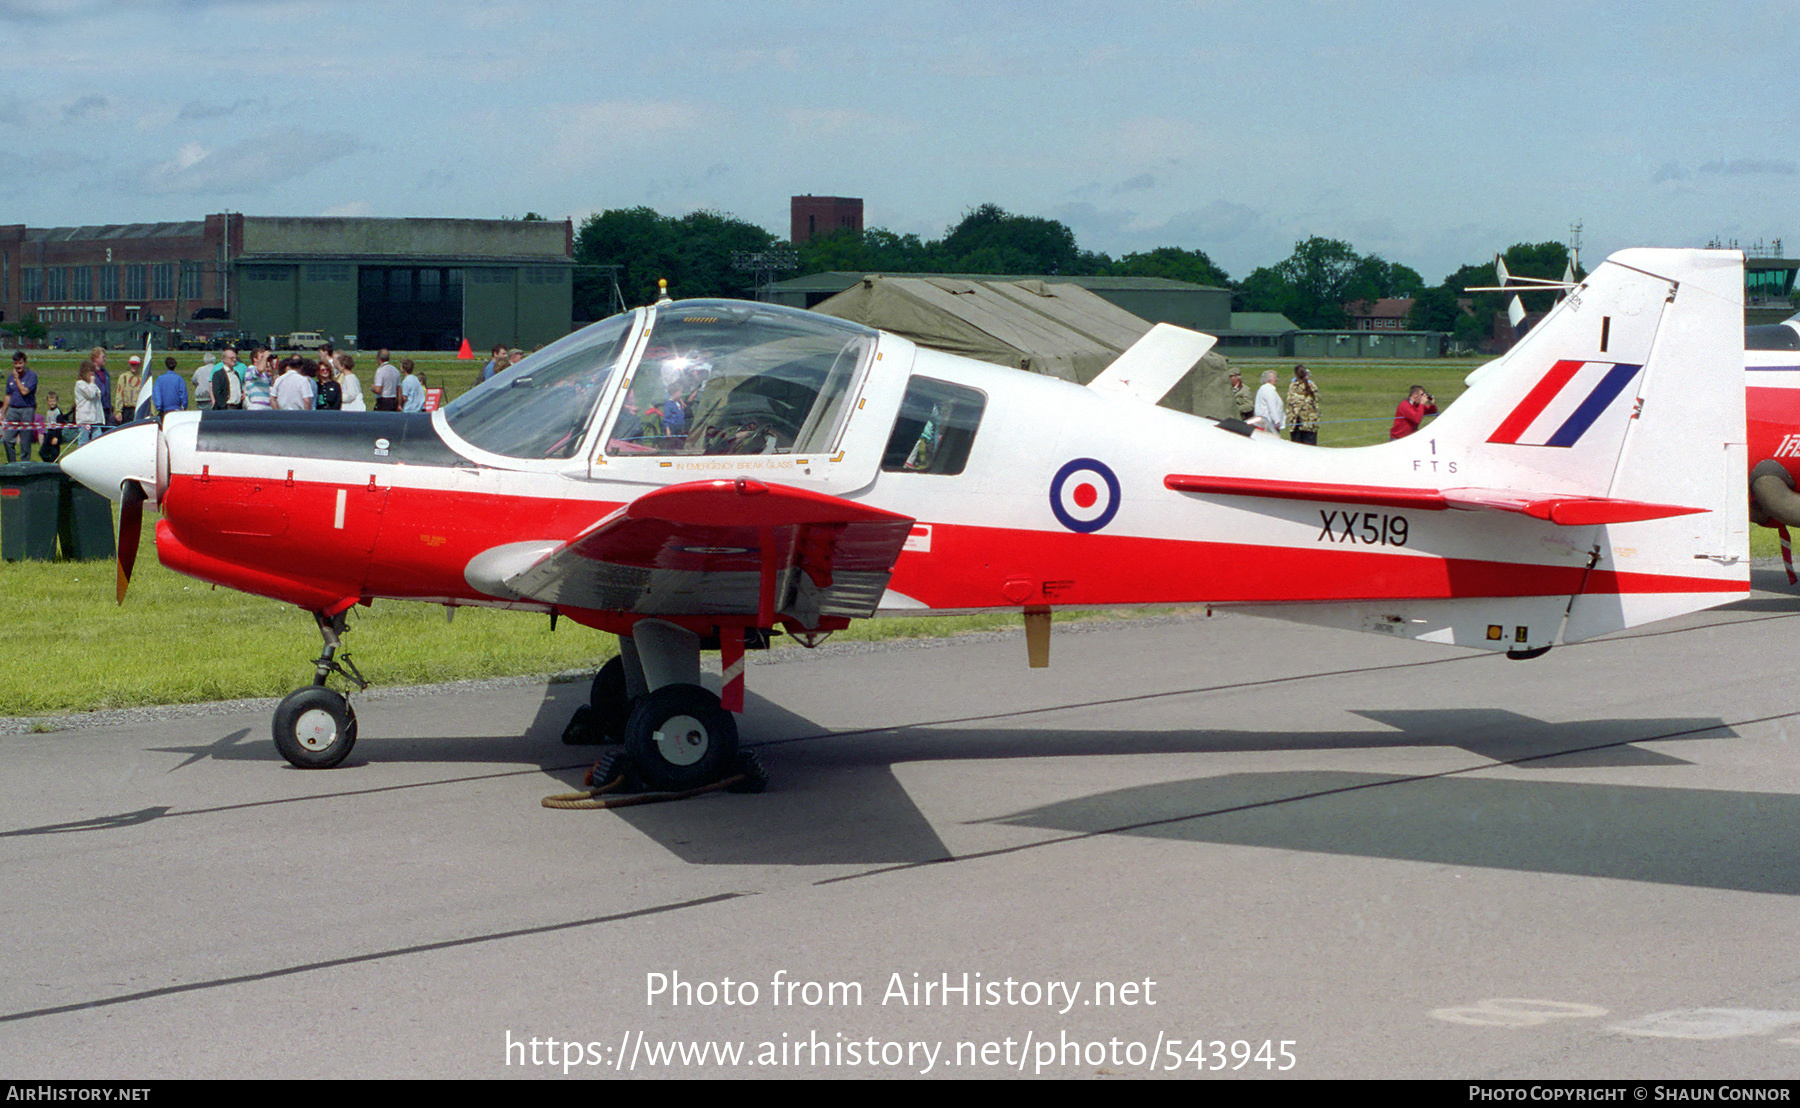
x: 315, y: 729
x: 682, y: 740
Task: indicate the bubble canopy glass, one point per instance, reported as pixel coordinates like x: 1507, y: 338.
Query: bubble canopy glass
x: 714, y: 377
x: 541, y: 407
x: 729, y: 377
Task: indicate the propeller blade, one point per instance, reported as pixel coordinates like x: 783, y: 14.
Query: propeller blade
x: 131, y: 526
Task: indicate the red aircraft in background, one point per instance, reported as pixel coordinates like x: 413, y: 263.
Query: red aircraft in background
x: 699, y: 475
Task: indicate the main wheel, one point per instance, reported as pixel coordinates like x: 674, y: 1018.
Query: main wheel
x: 610, y: 701
x: 314, y: 727
x: 679, y: 738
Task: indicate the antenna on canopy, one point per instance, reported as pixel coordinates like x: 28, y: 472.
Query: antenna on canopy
x: 662, y: 290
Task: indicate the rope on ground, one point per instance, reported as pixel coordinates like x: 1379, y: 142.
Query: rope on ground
x: 591, y: 799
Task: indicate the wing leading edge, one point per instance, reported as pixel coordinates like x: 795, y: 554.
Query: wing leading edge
x: 741, y: 548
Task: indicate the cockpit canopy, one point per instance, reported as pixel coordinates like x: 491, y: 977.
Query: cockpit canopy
x: 540, y: 408
x: 713, y: 377
x: 725, y: 377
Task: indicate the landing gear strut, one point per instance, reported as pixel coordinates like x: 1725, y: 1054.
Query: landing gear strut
x: 677, y: 735
x: 315, y: 727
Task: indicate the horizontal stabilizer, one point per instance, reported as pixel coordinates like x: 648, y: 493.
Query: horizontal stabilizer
x: 1154, y: 363
x: 1566, y: 511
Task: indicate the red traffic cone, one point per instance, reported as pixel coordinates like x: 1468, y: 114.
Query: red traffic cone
x: 464, y: 354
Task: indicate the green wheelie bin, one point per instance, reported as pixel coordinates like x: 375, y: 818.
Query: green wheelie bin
x: 30, y: 504
x: 85, y: 523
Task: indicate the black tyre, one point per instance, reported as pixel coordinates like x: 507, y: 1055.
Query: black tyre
x: 581, y: 729
x: 314, y: 727
x: 610, y: 701
x: 679, y: 738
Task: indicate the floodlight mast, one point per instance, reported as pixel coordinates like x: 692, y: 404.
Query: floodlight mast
x: 765, y: 264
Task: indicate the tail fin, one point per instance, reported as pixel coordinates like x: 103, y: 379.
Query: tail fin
x: 1618, y: 422
x: 1631, y: 391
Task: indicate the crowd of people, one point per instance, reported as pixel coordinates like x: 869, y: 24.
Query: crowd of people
x: 1299, y: 413
x: 268, y: 382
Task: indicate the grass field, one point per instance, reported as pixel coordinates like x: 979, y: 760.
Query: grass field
x: 177, y: 640
x: 1357, y: 399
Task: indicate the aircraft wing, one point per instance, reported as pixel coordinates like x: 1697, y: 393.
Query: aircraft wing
x: 723, y: 547
x: 1568, y: 511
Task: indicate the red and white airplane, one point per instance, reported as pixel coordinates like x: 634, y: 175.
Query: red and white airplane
x: 696, y: 475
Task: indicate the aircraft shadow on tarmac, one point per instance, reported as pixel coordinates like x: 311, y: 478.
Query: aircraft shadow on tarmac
x: 835, y: 798
x: 539, y: 743
x: 1705, y: 838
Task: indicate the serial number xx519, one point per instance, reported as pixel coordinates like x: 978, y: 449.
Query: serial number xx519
x: 1367, y: 528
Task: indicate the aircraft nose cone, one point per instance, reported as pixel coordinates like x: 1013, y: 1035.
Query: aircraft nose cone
x: 105, y: 464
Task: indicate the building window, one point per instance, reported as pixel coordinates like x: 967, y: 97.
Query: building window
x: 84, y: 282
x: 134, y: 283
x: 327, y: 273
x: 109, y: 282
x: 190, y: 280
x: 55, y: 288
x: 268, y: 273
x: 31, y: 284
x: 165, y: 281
x: 543, y: 275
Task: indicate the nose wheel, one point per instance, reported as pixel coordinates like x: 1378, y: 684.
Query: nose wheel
x: 315, y: 727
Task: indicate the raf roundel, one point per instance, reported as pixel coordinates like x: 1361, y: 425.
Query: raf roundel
x: 1084, y: 495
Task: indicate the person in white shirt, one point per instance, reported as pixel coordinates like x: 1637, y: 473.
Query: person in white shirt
x: 295, y: 391
x: 89, y: 415
x: 203, y: 384
x: 1270, y: 412
x: 412, y: 390
x: 353, y: 396
x: 387, y: 384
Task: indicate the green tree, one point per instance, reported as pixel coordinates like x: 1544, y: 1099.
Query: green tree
x: 991, y: 240
x: 693, y: 253
x: 27, y: 329
x: 1434, y: 309
x: 1310, y: 286
x: 1171, y: 262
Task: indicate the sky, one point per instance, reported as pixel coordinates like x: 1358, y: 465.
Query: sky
x: 1430, y: 133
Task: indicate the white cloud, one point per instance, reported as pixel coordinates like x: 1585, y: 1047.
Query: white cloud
x: 244, y: 166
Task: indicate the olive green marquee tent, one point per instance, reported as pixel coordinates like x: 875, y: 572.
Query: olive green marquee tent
x: 1060, y: 330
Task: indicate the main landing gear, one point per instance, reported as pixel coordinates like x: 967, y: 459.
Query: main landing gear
x: 315, y: 727
x: 677, y: 735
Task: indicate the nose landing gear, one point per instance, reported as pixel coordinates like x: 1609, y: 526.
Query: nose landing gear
x: 315, y: 726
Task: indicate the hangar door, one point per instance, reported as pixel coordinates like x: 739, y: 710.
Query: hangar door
x: 409, y: 307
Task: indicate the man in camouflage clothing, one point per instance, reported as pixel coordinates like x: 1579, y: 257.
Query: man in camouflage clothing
x: 1303, y: 407
x: 1240, y: 395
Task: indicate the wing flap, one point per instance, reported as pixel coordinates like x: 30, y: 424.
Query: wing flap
x: 739, y: 548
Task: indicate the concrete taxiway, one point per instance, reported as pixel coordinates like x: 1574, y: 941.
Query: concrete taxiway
x: 1207, y: 846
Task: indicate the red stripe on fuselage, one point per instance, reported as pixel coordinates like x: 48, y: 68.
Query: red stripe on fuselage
x: 981, y: 567
x: 404, y: 543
